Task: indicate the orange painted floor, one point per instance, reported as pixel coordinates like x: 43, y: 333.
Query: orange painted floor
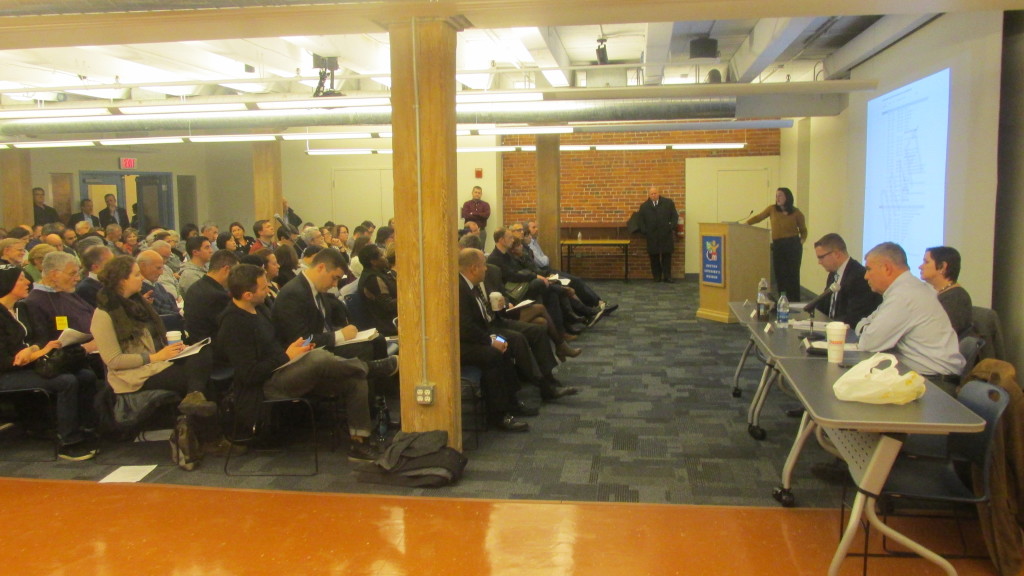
x: 83, y: 529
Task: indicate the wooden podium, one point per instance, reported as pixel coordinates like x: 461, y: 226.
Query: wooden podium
x: 734, y: 258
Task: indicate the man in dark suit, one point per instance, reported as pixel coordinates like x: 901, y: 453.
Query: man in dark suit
x: 854, y: 299
x: 112, y: 214
x: 304, y: 308
x: 42, y: 213
x: 658, y: 221
x: 208, y: 297
x: 85, y: 215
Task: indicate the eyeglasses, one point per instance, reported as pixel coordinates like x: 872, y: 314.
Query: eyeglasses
x: 822, y: 256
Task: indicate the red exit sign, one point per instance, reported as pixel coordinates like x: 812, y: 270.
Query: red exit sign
x: 127, y: 163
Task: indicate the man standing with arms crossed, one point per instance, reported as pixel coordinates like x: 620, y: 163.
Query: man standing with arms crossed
x: 478, y: 211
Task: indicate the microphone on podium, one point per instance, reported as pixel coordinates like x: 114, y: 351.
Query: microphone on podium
x: 745, y: 217
x: 832, y: 288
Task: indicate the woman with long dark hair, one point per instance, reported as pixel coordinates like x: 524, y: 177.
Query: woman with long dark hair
x: 133, y: 343
x: 789, y: 231
x: 288, y: 262
x: 243, y: 243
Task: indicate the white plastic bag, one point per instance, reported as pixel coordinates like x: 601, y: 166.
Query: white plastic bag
x: 867, y: 383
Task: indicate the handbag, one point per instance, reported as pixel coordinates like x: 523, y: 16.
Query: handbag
x: 65, y: 360
x: 867, y: 383
x: 517, y: 290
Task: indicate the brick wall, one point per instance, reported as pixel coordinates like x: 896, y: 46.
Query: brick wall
x: 600, y: 190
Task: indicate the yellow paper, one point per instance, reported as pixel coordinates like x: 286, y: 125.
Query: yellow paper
x: 62, y: 322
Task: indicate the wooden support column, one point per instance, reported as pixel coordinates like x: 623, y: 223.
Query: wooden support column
x: 549, y: 194
x: 16, y: 186
x: 266, y: 180
x: 423, y: 122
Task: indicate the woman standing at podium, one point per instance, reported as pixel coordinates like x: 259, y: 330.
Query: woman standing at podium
x: 788, y: 234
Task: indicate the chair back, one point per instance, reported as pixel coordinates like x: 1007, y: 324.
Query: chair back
x: 358, y: 312
x: 986, y: 324
x: 988, y: 401
x: 970, y: 346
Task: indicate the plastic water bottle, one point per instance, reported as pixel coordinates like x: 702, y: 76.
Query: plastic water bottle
x: 383, y: 419
x: 762, y: 300
x: 782, y: 315
x: 579, y: 236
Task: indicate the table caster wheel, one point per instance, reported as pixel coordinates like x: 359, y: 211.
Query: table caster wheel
x: 736, y: 392
x: 756, y: 432
x: 784, y: 496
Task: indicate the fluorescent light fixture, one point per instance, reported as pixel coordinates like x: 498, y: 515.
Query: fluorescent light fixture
x: 709, y: 146
x: 235, y: 138
x: 51, y: 113
x: 141, y: 141
x: 392, y: 134
x: 346, y: 151
x: 473, y: 98
x: 325, y: 135
x: 4, y: 146
x: 604, y: 147
x: 498, y: 149
x: 323, y: 103
x: 516, y: 130
x: 574, y: 148
x: 55, y: 144
x: 178, y: 108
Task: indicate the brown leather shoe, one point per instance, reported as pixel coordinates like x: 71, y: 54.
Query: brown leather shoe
x: 569, y: 337
x: 564, y: 350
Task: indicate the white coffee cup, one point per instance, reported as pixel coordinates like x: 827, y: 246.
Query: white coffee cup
x: 173, y: 337
x: 497, y: 302
x: 835, y: 333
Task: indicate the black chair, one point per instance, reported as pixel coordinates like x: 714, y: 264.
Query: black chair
x: 472, y: 398
x: 986, y: 324
x: 310, y: 403
x: 40, y: 396
x: 941, y: 480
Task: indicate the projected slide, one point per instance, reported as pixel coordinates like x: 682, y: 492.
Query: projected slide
x: 904, y: 199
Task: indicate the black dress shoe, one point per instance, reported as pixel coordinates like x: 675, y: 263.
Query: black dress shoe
x: 554, y: 392
x: 508, y: 423
x: 669, y: 281
x: 573, y: 329
x: 608, y: 309
x: 522, y: 409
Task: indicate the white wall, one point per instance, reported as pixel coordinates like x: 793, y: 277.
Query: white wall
x: 969, y: 43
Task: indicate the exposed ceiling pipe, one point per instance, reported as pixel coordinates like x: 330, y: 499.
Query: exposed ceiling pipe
x: 634, y: 110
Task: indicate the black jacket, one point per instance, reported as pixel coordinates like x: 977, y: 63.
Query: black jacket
x: 106, y: 218
x: 855, y: 299
x: 88, y: 288
x: 81, y: 217
x: 44, y: 215
x: 204, y: 302
x: 473, y: 328
x: 13, y: 336
x: 511, y: 271
x: 296, y: 314
x: 247, y: 342
x: 659, y: 223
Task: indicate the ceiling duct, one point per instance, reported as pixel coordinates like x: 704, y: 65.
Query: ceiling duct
x: 705, y: 48
x: 538, y: 113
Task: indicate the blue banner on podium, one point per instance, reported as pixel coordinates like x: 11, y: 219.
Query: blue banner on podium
x: 712, y: 250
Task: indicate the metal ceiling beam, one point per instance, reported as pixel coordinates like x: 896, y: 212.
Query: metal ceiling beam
x: 769, y: 38
x: 656, y: 53
x: 545, y: 45
x: 876, y: 38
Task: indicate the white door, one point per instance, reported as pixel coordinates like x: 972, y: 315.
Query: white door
x: 725, y: 190
x: 363, y: 195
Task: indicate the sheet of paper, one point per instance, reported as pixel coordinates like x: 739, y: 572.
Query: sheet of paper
x: 191, y: 350
x: 70, y: 337
x: 128, y: 474
x: 361, y: 336
x: 520, y: 305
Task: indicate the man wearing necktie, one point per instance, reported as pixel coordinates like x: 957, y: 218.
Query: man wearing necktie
x: 303, y: 308
x: 854, y: 299
x: 658, y: 221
